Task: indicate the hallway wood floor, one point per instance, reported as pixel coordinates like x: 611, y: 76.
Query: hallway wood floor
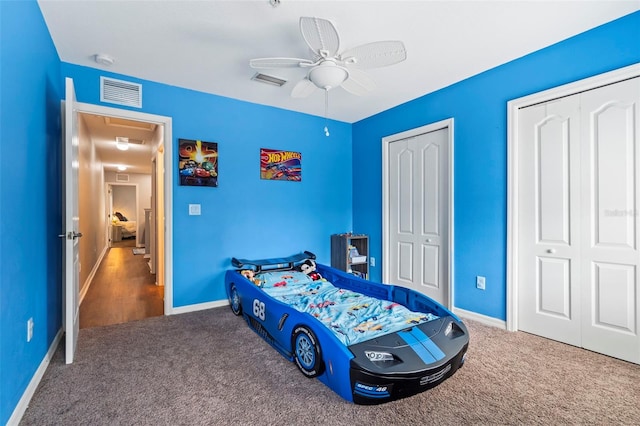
x: 122, y: 290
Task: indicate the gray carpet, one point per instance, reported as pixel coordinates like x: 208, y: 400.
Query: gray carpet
x: 209, y: 368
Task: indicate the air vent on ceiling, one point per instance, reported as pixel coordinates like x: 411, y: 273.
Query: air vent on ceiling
x: 269, y: 79
x: 120, y: 92
x: 129, y: 124
x: 122, y: 178
x: 123, y: 140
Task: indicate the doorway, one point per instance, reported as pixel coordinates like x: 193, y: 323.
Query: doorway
x: 123, y: 203
x: 418, y: 210
x: 150, y: 196
x: 575, y: 240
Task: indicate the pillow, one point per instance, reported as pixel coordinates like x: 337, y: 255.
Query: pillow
x: 120, y: 216
x: 283, y: 278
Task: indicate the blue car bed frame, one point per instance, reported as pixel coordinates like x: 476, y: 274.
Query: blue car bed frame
x: 369, y: 342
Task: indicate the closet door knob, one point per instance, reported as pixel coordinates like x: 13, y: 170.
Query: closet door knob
x: 551, y: 251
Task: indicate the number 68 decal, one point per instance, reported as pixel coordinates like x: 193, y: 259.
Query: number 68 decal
x: 259, y: 309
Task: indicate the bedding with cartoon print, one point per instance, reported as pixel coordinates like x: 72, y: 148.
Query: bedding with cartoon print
x: 351, y: 316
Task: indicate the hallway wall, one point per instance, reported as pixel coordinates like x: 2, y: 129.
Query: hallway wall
x: 90, y: 205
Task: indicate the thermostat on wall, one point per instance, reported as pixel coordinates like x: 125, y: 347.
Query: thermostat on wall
x: 194, y: 209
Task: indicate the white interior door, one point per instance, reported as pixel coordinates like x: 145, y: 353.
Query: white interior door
x: 610, y: 211
x: 549, y: 292
x: 109, y: 214
x: 418, y: 213
x: 71, y: 218
x: 578, y: 239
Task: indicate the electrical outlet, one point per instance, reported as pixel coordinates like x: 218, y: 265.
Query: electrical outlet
x: 480, y: 282
x: 29, y: 329
x: 372, y: 261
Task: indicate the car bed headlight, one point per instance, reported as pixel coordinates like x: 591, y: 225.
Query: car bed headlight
x: 447, y: 331
x: 453, y: 330
x: 376, y: 356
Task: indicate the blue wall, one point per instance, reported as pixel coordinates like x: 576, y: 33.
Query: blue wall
x: 30, y: 213
x: 244, y: 216
x: 479, y: 108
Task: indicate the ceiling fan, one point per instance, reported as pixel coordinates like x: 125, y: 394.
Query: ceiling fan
x: 328, y: 68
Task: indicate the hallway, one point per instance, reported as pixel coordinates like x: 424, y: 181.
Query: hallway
x: 122, y: 290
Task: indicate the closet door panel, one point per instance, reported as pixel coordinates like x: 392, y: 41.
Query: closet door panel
x: 610, y: 260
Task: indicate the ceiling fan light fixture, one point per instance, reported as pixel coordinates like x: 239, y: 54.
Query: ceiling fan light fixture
x: 328, y: 75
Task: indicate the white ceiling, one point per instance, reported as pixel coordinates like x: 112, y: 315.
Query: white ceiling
x: 103, y: 132
x: 207, y: 45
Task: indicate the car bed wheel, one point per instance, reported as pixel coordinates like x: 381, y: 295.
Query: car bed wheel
x: 307, y: 353
x: 234, y: 300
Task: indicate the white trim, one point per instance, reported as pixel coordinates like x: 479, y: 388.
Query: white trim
x: 89, y: 280
x: 386, y: 141
x: 199, y: 307
x: 168, y: 183
x: 23, y: 404
x: 513, y: 108
x: 168, y: 217
x: 483, y: 319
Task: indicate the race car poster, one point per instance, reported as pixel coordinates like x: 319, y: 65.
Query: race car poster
x: 280, y: 165
x: 197, y: 162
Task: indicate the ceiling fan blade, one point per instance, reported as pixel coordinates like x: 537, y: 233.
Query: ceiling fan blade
x: 376, y: 54
x: 303, y: 89
x: 279, y: 63
x: 358, y: 83
x: 320, y: 35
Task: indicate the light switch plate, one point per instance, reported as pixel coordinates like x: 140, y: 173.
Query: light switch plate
x: 194, y: 209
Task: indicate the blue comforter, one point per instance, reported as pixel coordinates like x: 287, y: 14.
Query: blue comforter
x: 353, y: 317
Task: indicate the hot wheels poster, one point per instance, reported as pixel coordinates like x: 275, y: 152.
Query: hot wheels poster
x: 197, y: 163
x: 280, y: 165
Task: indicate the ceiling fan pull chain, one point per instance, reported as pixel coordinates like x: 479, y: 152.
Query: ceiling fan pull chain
x: 326, y: 112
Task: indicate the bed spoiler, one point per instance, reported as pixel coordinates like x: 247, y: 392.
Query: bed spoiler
x: 281, y: 263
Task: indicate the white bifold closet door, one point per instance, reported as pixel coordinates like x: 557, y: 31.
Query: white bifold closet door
x: 579, y: 194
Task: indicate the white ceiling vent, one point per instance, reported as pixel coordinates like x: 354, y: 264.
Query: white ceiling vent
x: 120, y: 92
x: 269, y: 79
x: 122, y: 178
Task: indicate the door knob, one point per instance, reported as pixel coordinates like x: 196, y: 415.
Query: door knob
x: 551, y: 251
x: 71, y: 235
x: 428, y: 240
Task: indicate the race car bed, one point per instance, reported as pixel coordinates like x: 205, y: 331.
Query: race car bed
x: 369, y: 342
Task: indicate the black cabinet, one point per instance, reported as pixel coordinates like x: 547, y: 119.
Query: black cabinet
x: 350, y: 253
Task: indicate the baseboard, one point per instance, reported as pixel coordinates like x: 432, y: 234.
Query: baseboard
x: 20, y: 409
x: 87, y: 283
x: 483, y: 319
x: 198, y: 307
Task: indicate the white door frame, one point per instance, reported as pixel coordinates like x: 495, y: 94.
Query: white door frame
x: 168, y: 180
x: 513, y: 108
x: 386, y: 141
